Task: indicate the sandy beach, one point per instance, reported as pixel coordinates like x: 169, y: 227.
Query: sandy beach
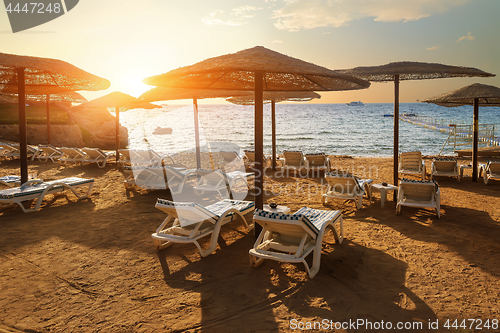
x: 91, y: 266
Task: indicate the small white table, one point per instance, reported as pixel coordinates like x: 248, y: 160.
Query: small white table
x: 383, y: 192
x: 462, y: 167
x: 279, y: 209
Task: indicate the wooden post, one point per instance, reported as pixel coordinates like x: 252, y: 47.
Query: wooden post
x: 396, y: 133
x: 197, y: 134
x: 47, y: 100
x: 273, y: 121
x: 475, y: 143
x: 117, y: 144
x: 259, y: 145
x: 23, y: 139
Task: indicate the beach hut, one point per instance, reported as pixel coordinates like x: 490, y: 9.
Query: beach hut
x: 257, y: 69
x: 408, y: 70
x: 118, y: 100
x: 477, y: 95
x: 166, y: 94
x: 33, y: 75
x: 274, y: 97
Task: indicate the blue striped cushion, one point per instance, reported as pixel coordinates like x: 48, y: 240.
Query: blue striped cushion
x: 318, y: 217
x: 21, y: 191
x: 445, y: 159
x: 10, y: 179
x: 214, y: 211
x: 287, y: 217
x: 420, y: 181
x: 315, y: 154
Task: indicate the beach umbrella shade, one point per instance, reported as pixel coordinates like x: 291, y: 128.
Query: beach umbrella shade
x: 118, y: 100
x: 166, y: 94
x: 33, y: 74
x: 407, y: 70
x: 274, y: 97
x: 477, y: 95
x: 257, y: 69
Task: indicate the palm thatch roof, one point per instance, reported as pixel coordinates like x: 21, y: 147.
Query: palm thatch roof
x: 236, y: 71
x: 117, y: 99
x: 166, y: 94
x: 408, y: 70
x: 67, y: 96
x: 276, y: 96
x: 46, y: 76
x: 487, y: 95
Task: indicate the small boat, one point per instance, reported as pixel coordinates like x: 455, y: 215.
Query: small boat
x: 358, y: 103
x: 162, y: 130
x: 388, y: 115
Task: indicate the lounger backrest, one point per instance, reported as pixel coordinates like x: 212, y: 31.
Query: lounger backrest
x: 410, y: 161
x: 94, y: 153
x: 316, y: 160
x: 347, y: 184
x: 229, y: 156
x: 250, y: 156
x: 418, y: 190
x: 187, y: 212
x: 445, y: 164
x: 145, y: 156
x: 494, y: 167
x: 293, y: 158
x: 293, y: 226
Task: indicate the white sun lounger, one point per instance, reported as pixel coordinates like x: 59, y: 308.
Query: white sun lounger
x: 10, y: 181
x: 249, y: 159
x: 292, y: 237
x: 150, y: 178
x: 419, y: 194
x: 347, y: 187
x: 71, y: 155
x: 447, y: 167
x: 187, y: 222
x: 37, y: 190
x: 218, y: 181
x: 411, y: 163
x: 316, y: 163
x: 8, y: 150
x: 490, y: 170
x: 178, y: 177
x: 294, y: 160
x: 49, y: 152
x: 95, y: 155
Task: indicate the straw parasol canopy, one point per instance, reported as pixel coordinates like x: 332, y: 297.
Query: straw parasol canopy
x: 476, y: 94
x: 35, y: 75
x: 274, y: 97
x: 410, y: 70
x: 257, y: 69
x: 118, y: 100
x: 167, y: 93
x: 7, y: 99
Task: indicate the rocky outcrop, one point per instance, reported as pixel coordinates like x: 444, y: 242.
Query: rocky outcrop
x: 60, y: 135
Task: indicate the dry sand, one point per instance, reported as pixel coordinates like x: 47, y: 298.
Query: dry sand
x: 91, y: 266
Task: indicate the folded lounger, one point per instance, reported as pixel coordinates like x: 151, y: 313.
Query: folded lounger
x: 49, y: 152
x: 73, y: 155
x: 490, y: 170
x: 411, y: 163
x: 37, y: 190
x: 419, y: 194
x: 292, y: 237
x: 445, y: 166
x: 347, y: 187
x: 10, y: 181
x: 294, y: 160
x: 218, y: 180
x: 191, y: 221
x: 95, y: 155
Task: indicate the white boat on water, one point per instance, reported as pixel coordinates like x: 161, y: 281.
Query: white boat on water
x: 358, y: 103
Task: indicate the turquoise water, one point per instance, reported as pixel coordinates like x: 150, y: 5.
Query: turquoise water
x: 331, y: 128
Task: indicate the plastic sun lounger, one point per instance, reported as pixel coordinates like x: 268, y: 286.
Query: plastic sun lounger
x: 218, y: 180
x: 95, y: 155
x: 292, y: 237
x: 249, y: 159
x: 8, y: 151
x: 178, y: 177
x: 411, y: 163
x: 49, y: 152
x: 191, y: 221
x: 228, y: 157
x: 491, y: 170
x: 73, y: 155
x: 317, y: 162
x: 294, y: 160
x: 150, y: 178
x: 419, y: 194
x: 445, y: 167
x: 347, y: 187
x: 10, y: 181
x: 37, y: 190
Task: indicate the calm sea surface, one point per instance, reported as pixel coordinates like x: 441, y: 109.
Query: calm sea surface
x: 331, y: 128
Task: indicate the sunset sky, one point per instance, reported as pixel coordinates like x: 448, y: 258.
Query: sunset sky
x: 126, y: 41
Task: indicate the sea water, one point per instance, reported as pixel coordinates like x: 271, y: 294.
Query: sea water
x: 335, y: 129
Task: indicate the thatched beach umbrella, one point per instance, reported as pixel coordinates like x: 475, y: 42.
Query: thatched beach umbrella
x: 41, y: 75
x: 166, y: 94
x: 274, y: 97
x: 257, y: 69
x: 476, y: 94
x: 118, y: 100
x: 407, y: 70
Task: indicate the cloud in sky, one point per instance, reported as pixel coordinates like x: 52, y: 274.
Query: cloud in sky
x: 468, y: 37
x: 308, y: 14
x: 237, y: 16
x: 432, y: 48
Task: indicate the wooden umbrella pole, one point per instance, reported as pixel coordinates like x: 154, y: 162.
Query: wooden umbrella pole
x: 273, y: 121
x: 396, y: 132
x: 475, y: 140
x: 117, y: 111
x: 23, y: 139
x: 259, y: 145
x: 197, y: 134
x: 47, y: 100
